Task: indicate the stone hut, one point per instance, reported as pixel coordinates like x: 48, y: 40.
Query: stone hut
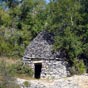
x: 40, y: 56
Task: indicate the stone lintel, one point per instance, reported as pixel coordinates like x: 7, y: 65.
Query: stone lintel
x: 37, y: 61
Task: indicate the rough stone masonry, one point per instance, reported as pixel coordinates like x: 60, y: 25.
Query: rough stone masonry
x: 40, y: 52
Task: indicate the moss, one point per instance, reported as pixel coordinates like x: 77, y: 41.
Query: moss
x: 26, y: 84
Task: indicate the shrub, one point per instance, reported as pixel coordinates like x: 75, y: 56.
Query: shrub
x: 6, y: 81
x: 20, y: 68
x: 78, y: 67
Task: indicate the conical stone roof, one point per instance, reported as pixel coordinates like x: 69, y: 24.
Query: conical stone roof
x: 41, y: 47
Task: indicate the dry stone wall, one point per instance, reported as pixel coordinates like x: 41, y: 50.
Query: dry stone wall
x: 52, y: 69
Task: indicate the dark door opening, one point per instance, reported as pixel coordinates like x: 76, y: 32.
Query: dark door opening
x: 38, y: 67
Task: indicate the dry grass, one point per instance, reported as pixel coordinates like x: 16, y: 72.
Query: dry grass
x: 81, y: 80
x: 23, y: 76
x: 9, y: 60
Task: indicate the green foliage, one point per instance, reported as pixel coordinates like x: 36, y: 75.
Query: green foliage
x: 85, y: 49
x: 68, y: 26
x: 21, y: 21
x: 19, y: 68
x: 78, y: 67
x: 6, y: 80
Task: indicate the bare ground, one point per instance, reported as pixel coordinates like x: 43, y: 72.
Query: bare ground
x: 81, y: 81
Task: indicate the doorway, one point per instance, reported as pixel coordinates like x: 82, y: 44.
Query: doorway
x: 38, y: 68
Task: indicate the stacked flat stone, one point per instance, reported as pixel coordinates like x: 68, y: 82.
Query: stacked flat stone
x: 41, y: 49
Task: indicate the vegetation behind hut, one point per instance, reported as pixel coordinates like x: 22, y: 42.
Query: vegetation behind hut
x: 22, y: 20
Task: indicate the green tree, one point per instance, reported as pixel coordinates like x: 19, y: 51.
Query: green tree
x: 66, y: 24
x: 24, y: 22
